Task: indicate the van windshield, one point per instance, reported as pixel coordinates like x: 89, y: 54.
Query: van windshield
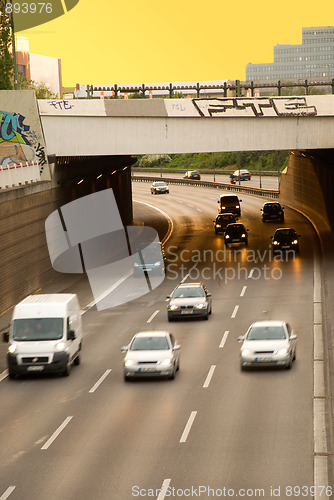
x: 228, y: 199
x: 38, y: 329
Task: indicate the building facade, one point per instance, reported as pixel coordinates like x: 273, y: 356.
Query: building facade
x: 313, y: 60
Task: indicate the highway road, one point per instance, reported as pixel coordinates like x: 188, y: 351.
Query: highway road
x: 265, y: 182
x: 212, y: 432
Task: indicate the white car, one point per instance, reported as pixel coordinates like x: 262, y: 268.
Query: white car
x: 268, y: 343
x: 152, y: 353
x: 159, y: 187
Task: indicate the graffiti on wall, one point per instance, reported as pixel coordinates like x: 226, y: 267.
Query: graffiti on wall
x: 263, y: 106
x: 18, y: 143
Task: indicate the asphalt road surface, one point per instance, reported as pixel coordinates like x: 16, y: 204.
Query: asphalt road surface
x: 214, y: 431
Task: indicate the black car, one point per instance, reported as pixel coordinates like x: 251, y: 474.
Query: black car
x: 241, y: 175
x: 236, y: 233
x: 285, y: 239
x: 222, y: 221
x: 272, y: 210
x: 192, y: 174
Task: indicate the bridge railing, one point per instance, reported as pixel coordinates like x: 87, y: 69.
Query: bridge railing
x: 13, y: 175
x: 268, y: 193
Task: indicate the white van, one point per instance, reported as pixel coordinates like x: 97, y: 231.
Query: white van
x: 45, y: 335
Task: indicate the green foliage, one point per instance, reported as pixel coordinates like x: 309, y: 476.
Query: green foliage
x: 42, y: 91
x: 6, y: 60
x: 252, y: 160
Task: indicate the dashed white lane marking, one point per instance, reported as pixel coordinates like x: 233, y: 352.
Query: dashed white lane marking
x: 223, y: 340
x: 8, y: 492
x: 251, y: 273
x: 164, y: 489
x: 235, y: 310
x: 188, y: 427
x: 209, y: 376
x: 99, y: 382
x: 56, y: 433
x: 3, y: 375
x: 244, y: 288
x: 153, y: 316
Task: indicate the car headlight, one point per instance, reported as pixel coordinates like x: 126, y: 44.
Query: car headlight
x: 245, y: 352
x: 237, y: 206
x: 166, y: 362
x: 158, y: 263
x: 223, y: 208
x: 243, y: 235
x: 12, y: 348
x: 173, y: 307
x: 218, y: 225
x: 60, y: 346
x: 201, y: 306
x: 294, y: 242
x: 282, y: 351
x: 275, y: 242
x: 129, y: 362
x: 227, y: 236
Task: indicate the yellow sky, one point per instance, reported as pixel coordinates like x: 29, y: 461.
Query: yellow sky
x: 106, y: 42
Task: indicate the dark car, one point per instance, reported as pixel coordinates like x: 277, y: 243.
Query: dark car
x: 236, y: 233
x: 272, y: 210
x: 222, y: 221
x: 150, y: 258
x: 285, y: 239
x: 241, y: 175
x: 192, y: 174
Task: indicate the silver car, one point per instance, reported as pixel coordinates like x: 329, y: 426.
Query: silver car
x: 189, y: 300
x: 152, y: 353
x: 159, y: 187
x: 268, y: 343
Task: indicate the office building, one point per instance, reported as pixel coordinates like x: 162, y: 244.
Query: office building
x: 313, y: 60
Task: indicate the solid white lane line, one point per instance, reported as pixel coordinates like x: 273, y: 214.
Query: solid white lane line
x: 99, y: 382
x: 188, y: 427
x: 184, y: 279
x: 164, y: 489
x: 153, y: 316
x: 7, y: 492
x: 56, y: 433
x: 235, y: 310
x: 3, y: 375
x: 209, y: 376
x: 243, y: 291
x: 223, y: 340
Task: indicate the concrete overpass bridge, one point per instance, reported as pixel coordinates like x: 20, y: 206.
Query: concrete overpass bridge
x: 84, y: 146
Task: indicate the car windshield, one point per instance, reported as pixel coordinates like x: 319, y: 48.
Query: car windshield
x: 190, y: 291
x: 38, y: 329
x: 149, y: 344
x: 285, y: 233
x: 271, y: 206
x: 225, y: 217
x: 159, y: 184
x: 266, y: 333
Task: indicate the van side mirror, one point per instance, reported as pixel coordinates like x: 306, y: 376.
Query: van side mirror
x: 5, y: 337
x: 71, y: 335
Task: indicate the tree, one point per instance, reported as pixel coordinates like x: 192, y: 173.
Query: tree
x: 41, y: 89
x: 6, y: 60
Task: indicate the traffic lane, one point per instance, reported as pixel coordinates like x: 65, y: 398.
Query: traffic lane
x: 96, y: 326
x: 264, y: 181
x: 203, y: 322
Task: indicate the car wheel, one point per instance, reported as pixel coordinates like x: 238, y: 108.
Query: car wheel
x: 206, y: 317
x: 178, y: 366
x: 263, y: 219
x: 289, y: 365
x: 170, y: 319
x: 77, y: 360
x: 67, y: 370
x: 126, y: 378
x: 11, y: 374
